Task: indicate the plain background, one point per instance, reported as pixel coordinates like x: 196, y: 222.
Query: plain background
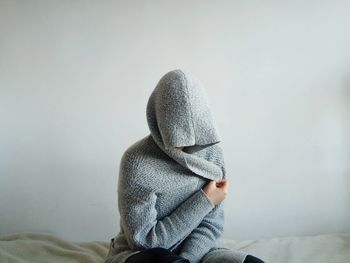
x: 75, y: 77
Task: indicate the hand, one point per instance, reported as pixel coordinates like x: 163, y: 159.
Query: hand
x: 216, y: 190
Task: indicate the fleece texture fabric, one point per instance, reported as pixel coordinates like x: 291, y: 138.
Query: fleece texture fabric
x: 160, y: 188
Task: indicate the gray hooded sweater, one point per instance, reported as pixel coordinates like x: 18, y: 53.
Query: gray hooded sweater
x: 160, y: 197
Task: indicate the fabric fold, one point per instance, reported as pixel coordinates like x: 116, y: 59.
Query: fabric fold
x: 160, y: 188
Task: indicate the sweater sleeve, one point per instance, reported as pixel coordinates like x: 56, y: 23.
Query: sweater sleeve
x: 138, y: 216
x: 204, y: 237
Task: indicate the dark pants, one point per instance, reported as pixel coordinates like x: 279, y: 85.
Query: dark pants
x: 162, y: 255
x: 252, y: 259
x: 154, y: 255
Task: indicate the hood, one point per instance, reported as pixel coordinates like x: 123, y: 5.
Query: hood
x: 178, y: 114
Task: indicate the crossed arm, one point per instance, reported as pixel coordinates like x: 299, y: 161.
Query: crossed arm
x: 188, y: 222
x: 196, y: 221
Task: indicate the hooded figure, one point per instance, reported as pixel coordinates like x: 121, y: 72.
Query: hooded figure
x: 160, y: 197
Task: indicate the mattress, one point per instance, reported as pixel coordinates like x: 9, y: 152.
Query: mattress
x: 42, y: 247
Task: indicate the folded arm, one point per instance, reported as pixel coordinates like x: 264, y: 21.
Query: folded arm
x: 138, y: 215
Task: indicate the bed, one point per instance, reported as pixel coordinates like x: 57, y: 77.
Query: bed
x: 42, y: 247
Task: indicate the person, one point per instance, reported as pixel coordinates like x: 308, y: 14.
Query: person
x: 172, y: 183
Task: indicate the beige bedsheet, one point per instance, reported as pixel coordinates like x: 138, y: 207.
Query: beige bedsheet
x: 37, y: 247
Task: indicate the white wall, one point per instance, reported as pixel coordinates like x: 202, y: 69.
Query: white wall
x: 75, y: 77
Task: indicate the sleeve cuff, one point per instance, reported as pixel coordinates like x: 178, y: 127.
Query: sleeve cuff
x: 205, y: 196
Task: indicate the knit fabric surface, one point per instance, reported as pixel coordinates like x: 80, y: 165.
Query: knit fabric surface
x: 160, y: 188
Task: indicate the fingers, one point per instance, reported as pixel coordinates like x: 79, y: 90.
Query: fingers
x: 225, y: 190
x: 221, y: 180
x: 222, y: 183
x: 216, y: 190
x: 212, y: 183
